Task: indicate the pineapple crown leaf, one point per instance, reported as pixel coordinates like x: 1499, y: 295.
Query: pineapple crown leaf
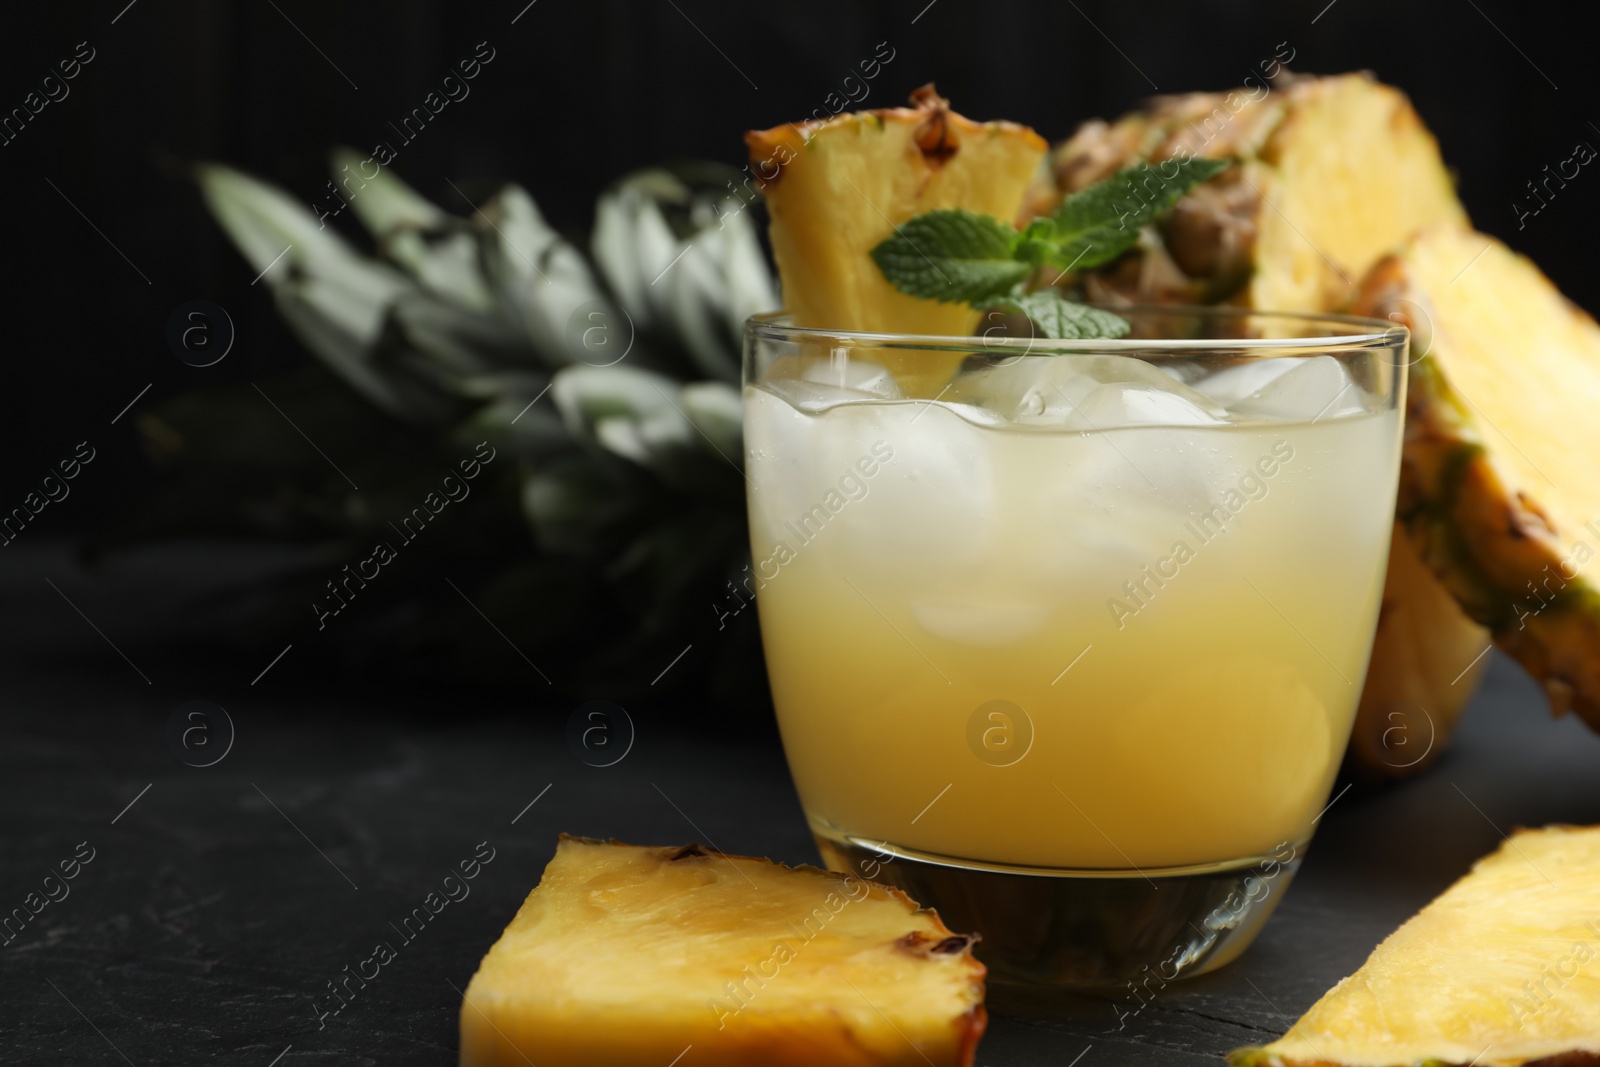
x: 449, y: 322
x: 956, y: 256
x: 383, y: 203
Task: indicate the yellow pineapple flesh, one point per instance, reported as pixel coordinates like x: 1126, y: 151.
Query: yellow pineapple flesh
x: 1349, y: 173
x: 1334, y: 173
x: 835, y: 188
x: 628, y: 956
x: 1498, y: 971
x: 1498, y: 486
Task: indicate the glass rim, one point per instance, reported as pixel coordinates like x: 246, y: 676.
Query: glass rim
x: 1374, y: 333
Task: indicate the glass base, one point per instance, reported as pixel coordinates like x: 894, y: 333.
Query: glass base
x: 1100, y: 931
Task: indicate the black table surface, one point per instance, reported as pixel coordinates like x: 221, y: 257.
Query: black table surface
x: 221, y: 900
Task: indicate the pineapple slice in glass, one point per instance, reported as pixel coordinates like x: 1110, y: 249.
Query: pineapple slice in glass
x: 628, y: 956
x: 836, y: 187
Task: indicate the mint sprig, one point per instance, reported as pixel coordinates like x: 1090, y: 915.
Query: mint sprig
x: 1098, y: 223
x: 1054, y: 316
x: 962, y: 257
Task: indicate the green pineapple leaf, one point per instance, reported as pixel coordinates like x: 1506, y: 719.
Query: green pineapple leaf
x: 280, y: 237
x: 322, y: 315
x: 463, y: 326
x: 334, y: 299
x: 383, y: 203
x: 634, y: 244
x: 717, y: 412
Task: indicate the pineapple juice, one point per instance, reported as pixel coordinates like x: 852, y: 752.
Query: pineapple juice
x: 1065, y: 649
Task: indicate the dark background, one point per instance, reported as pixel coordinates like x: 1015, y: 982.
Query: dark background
x: 581, y: 92
x: 210, y: 923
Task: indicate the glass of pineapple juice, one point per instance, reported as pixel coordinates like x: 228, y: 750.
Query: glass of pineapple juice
x: 1065, y: 638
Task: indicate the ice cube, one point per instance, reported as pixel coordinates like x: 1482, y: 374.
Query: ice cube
x: 780, y: 444
x: 901, y: 487
x: 1049, y: 390
x: 930, y: 501
x: 823, y: 384
x: 1128, y: 404
x: 814, y: 397
x: 856, y: 375
x: 1120, y: 498
x: 1186, y: 372
x: 1233, y: 384
x: 1316, y: 388
x: 972, y: 413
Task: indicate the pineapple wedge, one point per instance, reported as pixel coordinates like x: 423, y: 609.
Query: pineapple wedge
x: 1495, y: 493
x: 837, y: 187
x: 1499, y: 970
x: 625, y: 956
x: 1334, y: 173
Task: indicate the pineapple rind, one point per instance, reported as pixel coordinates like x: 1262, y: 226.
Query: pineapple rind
x: 1502, y: 969
x: 624, y: 956
x: 1502, y: 524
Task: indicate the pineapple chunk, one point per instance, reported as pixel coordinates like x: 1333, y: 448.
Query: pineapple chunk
x: 1349, y: 173
x: 837, y: 187
x: 1496, y: 494
x: 1499, y: 970
x: 625, y: 955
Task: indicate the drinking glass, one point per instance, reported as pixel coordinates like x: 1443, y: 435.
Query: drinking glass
x: 1066, y: 637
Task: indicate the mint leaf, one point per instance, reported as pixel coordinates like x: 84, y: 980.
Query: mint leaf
x: 1056, y: 317
x: 1097, y: 224
x: 961, y: 257
x: 1037, y: 243
x: 957, y: 257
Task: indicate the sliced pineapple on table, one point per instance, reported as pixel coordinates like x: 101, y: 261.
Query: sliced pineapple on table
x: 1335, y: 172
x: 1499, y: 486
x: 837, y: 187
x: 1502, y: 969
x: 628, y: 956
